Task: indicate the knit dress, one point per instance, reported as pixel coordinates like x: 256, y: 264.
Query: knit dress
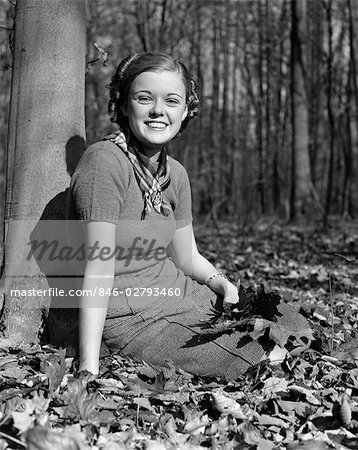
x: 155, y: 312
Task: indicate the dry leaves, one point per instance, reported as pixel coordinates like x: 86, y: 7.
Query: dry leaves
x: 306, y: 401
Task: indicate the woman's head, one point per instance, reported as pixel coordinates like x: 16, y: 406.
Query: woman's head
x: 168, y: 85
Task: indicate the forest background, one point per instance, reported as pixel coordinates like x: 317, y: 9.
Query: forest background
x: 277, y: 132
x: 277, y: 136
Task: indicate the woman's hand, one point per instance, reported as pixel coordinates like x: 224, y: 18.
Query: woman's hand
x: 98, y: 277
x: 231, y: 293
x: 222, y: 286
x: 184, y: 252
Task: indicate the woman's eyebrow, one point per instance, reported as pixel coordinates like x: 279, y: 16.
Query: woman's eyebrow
x: 150, y: 92
x: 174, y: 93
x: 142, y: 90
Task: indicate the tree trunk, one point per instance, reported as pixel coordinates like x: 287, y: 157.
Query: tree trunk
x: 301, y: 182
x: 93, y: 76
x: 46, y: 138
x: 200, y: 161
x: 5, y: 82
x: 236, y: 150
x: 269, y: 51
x: 316, y: 95
x: 329, y: 111
x: 278, y: 182
x: 353, y: 111
x: 215, y: 110
x: 142, y: 15
x: 260, y: 181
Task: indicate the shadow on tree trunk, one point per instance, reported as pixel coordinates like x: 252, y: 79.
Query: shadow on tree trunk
x: 49, y: 242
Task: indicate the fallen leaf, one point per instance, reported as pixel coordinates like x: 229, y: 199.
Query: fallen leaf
x: 54, y: 366
x: 300, y: 408
x: 308, y: 445
x: 227, y: 405
x: 22, y: 420
x: 42, y: 438
x: 264, y: 419
x: 307, y: 392
x: 274, y: 384
x: 81, y: 405
x: 154, y: 445
x: 143, y: 403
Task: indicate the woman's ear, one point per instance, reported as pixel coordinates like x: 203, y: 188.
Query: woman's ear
x: 185, y: 113
x: 124, y: 109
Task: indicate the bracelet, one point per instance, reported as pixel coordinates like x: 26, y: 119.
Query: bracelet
x: 218, y: 274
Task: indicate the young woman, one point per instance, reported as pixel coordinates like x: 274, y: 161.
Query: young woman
x: 147, y: 290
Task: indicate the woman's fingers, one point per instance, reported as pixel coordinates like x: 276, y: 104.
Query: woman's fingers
x: 231, y: 295
x: 231, y: 300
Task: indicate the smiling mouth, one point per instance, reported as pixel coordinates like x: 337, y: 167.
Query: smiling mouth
x: 156, y: 125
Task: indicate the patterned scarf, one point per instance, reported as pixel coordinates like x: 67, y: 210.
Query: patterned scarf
x: 152, y: 181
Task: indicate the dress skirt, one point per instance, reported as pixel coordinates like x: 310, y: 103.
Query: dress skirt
x: 160, y: 315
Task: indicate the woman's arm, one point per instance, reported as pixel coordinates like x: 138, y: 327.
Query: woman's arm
x: 184, y: 252
x: 98, y: 279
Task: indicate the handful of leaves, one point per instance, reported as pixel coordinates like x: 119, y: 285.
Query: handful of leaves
x: 261, y: 314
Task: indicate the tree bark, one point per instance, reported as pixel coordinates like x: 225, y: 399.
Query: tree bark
x: 46, y: 138
x: 260, y: 117
x: 352, y: 170
x: 215, y: 109
x: 278, y: 181
x: 93, y: 76
x: 269, y: 51
x: 301, y: 181
x: 330, y: 112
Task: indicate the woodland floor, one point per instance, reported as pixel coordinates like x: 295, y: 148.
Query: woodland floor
x: 308, y: 401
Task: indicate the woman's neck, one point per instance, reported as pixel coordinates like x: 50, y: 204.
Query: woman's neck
x: 152, y: 154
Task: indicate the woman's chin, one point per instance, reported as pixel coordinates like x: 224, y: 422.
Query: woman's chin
x: 158, y: 137
x: 155, y: 143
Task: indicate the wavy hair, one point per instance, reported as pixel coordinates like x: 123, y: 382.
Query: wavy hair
x: 132, y: 66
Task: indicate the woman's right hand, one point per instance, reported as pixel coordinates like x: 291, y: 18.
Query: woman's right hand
x: 89, y: 366
x: 98, y: 277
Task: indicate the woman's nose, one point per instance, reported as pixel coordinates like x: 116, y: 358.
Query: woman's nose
x: 157, y: 108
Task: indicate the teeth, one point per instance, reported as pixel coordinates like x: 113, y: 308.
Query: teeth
x: 156, y: 125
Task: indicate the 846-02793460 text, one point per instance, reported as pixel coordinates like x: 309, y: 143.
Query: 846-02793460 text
x: 129, y: 292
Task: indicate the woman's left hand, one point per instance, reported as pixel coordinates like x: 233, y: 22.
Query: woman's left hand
x: 231, y: 294
x: 222, y: 286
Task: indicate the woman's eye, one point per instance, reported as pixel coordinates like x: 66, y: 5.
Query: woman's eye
x: 144, y: 99
x: 172, y: 101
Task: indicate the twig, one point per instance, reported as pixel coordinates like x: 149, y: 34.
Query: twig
x: 137, y: 412
x: 10, y: 438
x: 92, y: 62
x: 347, y: 258
x: 331, y: 304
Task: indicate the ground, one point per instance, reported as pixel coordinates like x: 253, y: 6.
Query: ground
x: 309, y: 400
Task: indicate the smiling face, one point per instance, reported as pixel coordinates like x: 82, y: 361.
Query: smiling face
x: 156, y: 107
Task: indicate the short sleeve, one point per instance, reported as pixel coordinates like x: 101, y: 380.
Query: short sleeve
x: 99, y: 183
x: 182, y: 213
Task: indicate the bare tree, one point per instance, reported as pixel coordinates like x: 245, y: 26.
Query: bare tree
x: 331, y: 121
x: 301, y: 182
x: 352, y: 152
x: 46, y: 130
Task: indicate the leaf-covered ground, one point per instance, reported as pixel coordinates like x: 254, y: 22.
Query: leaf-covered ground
x: 309, y: 400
